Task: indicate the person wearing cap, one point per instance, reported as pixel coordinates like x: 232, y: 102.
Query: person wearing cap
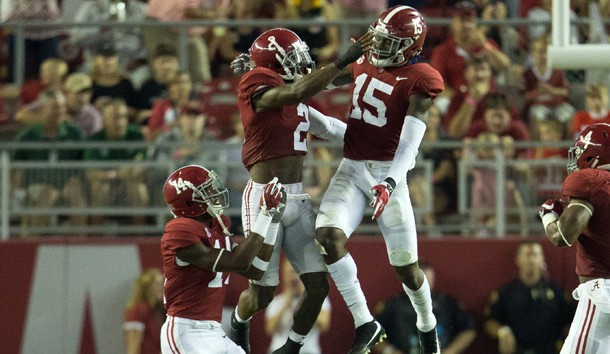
x: 467, y: 40
x: 78, y: 89
x: 108, y: 79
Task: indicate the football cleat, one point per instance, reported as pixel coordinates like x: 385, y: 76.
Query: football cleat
x: 367, y: 336
x: 290, y: 347
x: 240, y: 333
x: 428, y: 341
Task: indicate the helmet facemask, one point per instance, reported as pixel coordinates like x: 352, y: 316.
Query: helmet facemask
x: 297, y: 62
x: 388, y: 50
x: 213, y: 193
x: 573, y: 155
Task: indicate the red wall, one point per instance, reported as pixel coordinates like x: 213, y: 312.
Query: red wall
x: 467, y: 269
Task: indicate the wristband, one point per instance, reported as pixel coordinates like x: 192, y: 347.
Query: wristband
x: 549, y: 218
x: 391, y: 182
x: 262, y: 224
x: 217, y: 259
x: 471, y: 101
x: 260, y: 264
x: 271, y: 234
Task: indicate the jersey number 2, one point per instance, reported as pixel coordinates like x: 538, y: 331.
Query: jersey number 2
x: 300, y: 143
x: 368, y: 97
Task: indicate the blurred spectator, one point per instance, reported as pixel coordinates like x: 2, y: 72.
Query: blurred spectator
x: 129, y: 41
x: 359, y: 9
x: 78, y: 89
x: 467, y: 108
x: 596, y: 104
x: 547, y: 179
x: 467, y: 40
x: 175, y: 11
x: 484, y: 179
x: 546, y: 90
x: 41, y: 42
x: 164, y: 66
x: 279, y: 314
x: 220, y: 104
x: 456, y: 327
x: 542, y: 13
x: 124, y: 185
x: 108, y: 79
x: 529, y: 314
x: 443, y: 181
x: 164, y: 111
x: 50, y: 187
x: 323, y: 41
x: 499, y: 118
x: 144, y: 314
x: 182, y: 144
x: 51, y: 75
x: 496, y: 10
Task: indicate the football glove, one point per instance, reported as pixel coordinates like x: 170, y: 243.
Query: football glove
x: 382, y: 193
x: 554, y: 206
x: 241, y: 64
x: 273, y: 200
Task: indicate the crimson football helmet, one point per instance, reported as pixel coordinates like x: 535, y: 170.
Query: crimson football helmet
x: 194, y: 190
x: 591, y: 149
x: 399, y: 32
x: 282, y: 51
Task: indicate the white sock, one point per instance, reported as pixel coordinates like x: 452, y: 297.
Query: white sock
x: 345, y: 275
x: 421, y: 300
x: 239, y: 319
x: 297, y: 338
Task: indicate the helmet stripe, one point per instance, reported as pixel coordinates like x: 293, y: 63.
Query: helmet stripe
x: 394, y: 12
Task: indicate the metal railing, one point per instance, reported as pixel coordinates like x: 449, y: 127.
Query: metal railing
x: 13, y: 208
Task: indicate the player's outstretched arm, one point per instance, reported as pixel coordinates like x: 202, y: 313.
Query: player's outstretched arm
x: 312, y: 83
x: 326, y: 127
x: 273, y: 202
x: 563, y: 226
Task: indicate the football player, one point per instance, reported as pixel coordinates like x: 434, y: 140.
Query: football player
x: 391, y: 96
x: 272, y: 101
x: 197, y: 254
x: 581, y: 217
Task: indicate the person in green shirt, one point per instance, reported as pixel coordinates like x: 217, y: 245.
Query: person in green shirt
x: 123, y: 185
x: 48, y: 187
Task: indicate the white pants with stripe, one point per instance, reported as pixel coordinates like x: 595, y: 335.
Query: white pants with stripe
x: 349, y: 194
x: 185, y: 336
x: 590, y: 329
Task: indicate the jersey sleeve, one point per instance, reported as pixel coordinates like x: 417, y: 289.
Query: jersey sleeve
x: 182, y: 233
x: 430, y: 82
x: 257, y: 80
x: 578, y: 184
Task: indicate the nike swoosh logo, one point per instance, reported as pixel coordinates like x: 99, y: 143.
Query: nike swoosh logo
x: 398, y: 78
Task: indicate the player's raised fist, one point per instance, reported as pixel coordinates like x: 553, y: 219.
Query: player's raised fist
x: 273, y: 200
x: 555, y: 206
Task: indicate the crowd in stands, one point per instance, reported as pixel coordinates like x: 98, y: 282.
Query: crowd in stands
x: 126, y: 83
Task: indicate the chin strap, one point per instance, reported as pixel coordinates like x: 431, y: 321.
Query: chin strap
x: 217, y: 212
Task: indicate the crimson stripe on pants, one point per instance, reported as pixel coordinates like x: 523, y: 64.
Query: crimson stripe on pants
x: 583, y: 330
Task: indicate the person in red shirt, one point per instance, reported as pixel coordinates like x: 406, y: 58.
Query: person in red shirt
x: 198, y: 253
x: 546, y: 90
x: 581, y: 217
x: 390, y: 100
x: 467, y: 108
x: 276, y: 113
x: 596, y: 102
x: 467, y: 40
x: 499, y: 119
x: 145, y: 314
